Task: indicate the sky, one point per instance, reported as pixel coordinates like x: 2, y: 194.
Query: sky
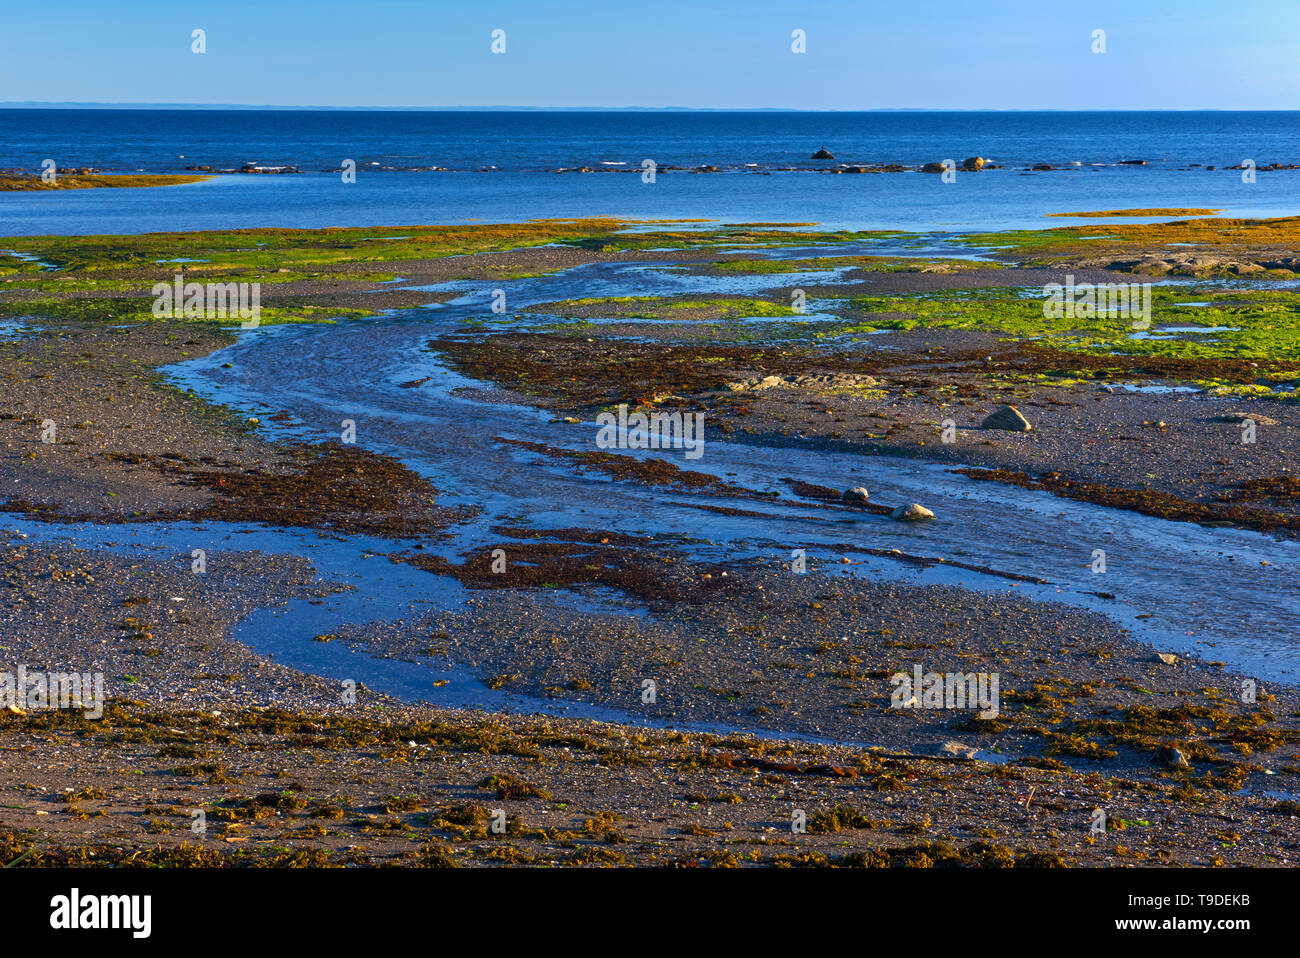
x: 869, y: 54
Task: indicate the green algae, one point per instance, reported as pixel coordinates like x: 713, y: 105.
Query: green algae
x: 1261, y: 324
x: 670, y: 308
x: 1044, y: 247
x: 724, y: 236
x: 297, y: 250
x: 876, y: 264
x: 307, y: 249
x: 122, y: 310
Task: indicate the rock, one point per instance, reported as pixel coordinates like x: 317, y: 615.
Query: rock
x: 973, y: 164
x: 912, y: 512
x: 1043, y: 166
x: 1007, y: 418
x: 1171, y: 757
x: 856, y: 494
x: 956, y: 749
x: 823, y: 154
x: 1168, y: 658
x: 1237, y: 417
x: 934, y: 168
x: 830, y: 382
x: 1132, y: 162
x: 766, y: 382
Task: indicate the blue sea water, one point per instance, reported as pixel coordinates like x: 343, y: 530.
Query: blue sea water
x: 496, y: 166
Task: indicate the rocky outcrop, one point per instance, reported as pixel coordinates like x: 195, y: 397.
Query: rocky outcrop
x: 827, y: 382
x: 1239, y: 418
x: 1170, y: 757
x: 1007, y: 418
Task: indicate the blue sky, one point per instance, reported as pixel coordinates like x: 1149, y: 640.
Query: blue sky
x: 870, y: 54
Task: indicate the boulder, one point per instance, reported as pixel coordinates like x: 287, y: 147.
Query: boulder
x: 1007, y: 418
x: 956, y: 749
x: 973, y: 164
x: 912, y: 512
x: 934, y: 168
x: 1237, y: 417
x: 823, y: 154
x: 856, y: 494
x: 1171, y: 757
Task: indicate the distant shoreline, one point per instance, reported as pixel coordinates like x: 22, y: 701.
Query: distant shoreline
x: 24, y: 182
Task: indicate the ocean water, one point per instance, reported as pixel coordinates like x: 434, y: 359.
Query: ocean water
x: 460, y: 166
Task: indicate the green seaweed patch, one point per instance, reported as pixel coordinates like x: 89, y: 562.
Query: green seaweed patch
x: 724, y: 236
x: 1252, y: 325
x: 300, y: 250
x: 132, y: 310
x: 1044, y: 247
x: 671, y: 308
x: 875, y: 264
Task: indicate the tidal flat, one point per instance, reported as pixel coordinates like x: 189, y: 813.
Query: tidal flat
x: 15, y: 182
x: 546, y: 581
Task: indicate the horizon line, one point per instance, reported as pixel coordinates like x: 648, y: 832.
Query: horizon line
x: 100, y: 105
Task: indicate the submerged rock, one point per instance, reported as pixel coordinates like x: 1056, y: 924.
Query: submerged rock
x: 912, y: 512
x: 823, y: 154
x: 856, y: 494
x: 1007, y: 418
x: 956, y: 749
